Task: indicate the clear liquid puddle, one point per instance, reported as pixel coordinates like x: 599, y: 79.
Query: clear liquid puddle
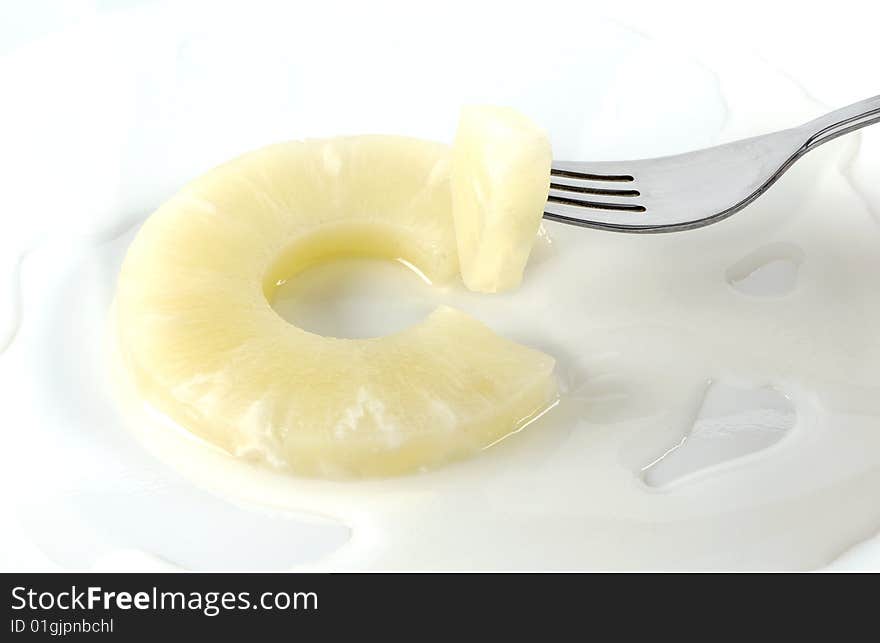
x: 732, y: 422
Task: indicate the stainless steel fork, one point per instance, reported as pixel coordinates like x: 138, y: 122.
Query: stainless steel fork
x: 691, y: 190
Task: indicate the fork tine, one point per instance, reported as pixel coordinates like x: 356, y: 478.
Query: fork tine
x: 590, y: 186
x: 574, y: 189
x: 604, y: 204
x: 600, y: 218
x: 584, y: 187
x: 578, y: 171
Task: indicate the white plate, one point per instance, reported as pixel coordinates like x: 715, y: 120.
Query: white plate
x: 154, y: 96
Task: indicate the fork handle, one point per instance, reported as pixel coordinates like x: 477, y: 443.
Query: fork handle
x: 841, y: 121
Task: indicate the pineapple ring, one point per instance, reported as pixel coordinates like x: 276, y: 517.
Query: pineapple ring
x: 204, y: 346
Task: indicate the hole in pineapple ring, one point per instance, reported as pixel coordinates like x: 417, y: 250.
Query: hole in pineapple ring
x: 354, y: 298
x: 349, y: 283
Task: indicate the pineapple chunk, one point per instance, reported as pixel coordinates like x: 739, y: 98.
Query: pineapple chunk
x: 500, y: 181
x: 204, y: 346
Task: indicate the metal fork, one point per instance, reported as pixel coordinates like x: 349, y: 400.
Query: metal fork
x: 692, y: 190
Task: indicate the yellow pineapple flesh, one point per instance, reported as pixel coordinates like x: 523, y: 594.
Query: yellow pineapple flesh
x: 500, y: 181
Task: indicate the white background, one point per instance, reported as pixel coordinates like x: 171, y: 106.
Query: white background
x: 830, y: 49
